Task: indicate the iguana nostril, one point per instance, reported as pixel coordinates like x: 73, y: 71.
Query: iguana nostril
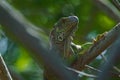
x: 74, y: 18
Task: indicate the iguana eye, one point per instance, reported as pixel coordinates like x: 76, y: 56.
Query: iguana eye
x: 60, y: 38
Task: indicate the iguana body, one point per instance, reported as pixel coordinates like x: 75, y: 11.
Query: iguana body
x: 61, y: 35
x: 60, y: 39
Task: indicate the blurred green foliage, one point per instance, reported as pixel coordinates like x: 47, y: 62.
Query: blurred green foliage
x: 44, y: 14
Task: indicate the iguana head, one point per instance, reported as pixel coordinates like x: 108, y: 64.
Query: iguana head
x: 65, y: 27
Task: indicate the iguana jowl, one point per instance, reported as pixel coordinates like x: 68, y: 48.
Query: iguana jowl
x: 61, y: 39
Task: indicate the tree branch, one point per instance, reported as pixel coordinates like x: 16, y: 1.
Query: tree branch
x: 116, y: 3
x: 4, y: 73
x: 104, y: 42
x: 113, y: 60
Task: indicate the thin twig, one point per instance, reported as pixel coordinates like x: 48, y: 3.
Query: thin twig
x: 4, y: 73
x: 81, y: 73
x: 103, y: 57
x: 117, y: 69
x: 92, y: 68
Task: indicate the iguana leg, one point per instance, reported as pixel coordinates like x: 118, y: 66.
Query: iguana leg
x: 76, y: 48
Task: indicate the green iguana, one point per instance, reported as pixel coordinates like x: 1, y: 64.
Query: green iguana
x: 61, y: 39
x: 61, y: 36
